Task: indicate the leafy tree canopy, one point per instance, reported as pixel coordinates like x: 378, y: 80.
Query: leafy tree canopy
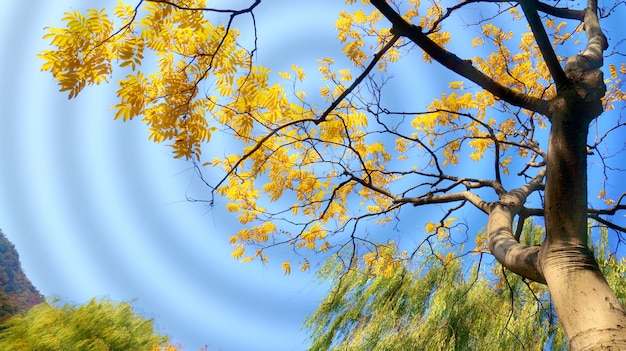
x: 316, y: 168
x: 96, y: 325
x: 348, y: 158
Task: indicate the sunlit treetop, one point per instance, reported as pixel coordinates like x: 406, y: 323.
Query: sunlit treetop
x: 315, y: 169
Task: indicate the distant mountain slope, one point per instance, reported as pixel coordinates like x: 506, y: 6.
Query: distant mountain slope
x: 17, y: 293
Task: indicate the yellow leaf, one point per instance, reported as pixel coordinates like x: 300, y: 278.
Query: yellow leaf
x: 238, y: 251
x: 305, y: 266
x: 286, y: 267
x: 370, y: 258
x: 431, y: 227
x: 613, y: 71
x: 299, y: 72
x: 456, y: 85
x: 448, y: 258
x: 477, y: 42
x: 373, y: 209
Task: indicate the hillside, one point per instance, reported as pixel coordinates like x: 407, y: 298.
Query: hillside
x: 17, y: 293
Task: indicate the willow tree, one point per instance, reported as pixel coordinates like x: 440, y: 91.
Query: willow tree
x: 96, y: 325
x: 316, y: 170
x: 444, y: 305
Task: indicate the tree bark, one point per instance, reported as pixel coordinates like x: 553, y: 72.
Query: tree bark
x: 503, y: 244
x: 589, y: 311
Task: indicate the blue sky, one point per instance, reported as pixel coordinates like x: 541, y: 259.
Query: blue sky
x: 95, y: 209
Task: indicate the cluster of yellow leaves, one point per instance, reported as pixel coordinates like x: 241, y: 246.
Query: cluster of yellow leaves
x: 359, y: 31
x: 446, y: 259
x: 188, y: 77
x: 458, y: 117
x: 82, y: 59
x: 353, y: 28
x: 383, y: 260
x: 428, y: 23
x: 482, y: 243
x: 185, y: 51
x: 338, y: 77
x: 302, y: 169
x: 447, y: 116
x: 305, y: 265
x: 615, y: 86
x: 559, y: 36
x: 602, y: 195
x: 187, y: 48
x: 167, y: 347
x: 521, y: 71
x: 442, y: 230
x: 412, y: 10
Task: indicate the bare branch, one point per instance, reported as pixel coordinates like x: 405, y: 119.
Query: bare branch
x: 547, y: 51
x: 208, y: 9
x: 359, y: 79
x: 561, y: 12
x: 446, y: 198
x: 608, y: 224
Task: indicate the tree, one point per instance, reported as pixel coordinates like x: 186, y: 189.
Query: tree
x: 96, y: 325
x: 439, y: 306
x: 317, y: 178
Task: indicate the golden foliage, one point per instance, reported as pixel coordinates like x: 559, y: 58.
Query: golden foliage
x: 382, y: 260
x: 188, y: 76
x: 167, y: 347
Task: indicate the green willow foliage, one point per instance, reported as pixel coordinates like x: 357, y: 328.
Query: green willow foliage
x: 438, y: 306
x: 96, y: 325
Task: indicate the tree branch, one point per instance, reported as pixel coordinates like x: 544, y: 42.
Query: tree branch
x: 518, y: 258
x: 619, y: 206
x: 187, y: 8
x: 591, y: 58
x: 317, y: 120
x: 446, y: 198
x: 359, y: 79
x: 608, y: 224
x: 561, y: 12
x: 456, y: 64
x: 541, y: 37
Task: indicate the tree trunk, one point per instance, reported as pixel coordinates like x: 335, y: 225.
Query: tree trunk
x: 589, y: 311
